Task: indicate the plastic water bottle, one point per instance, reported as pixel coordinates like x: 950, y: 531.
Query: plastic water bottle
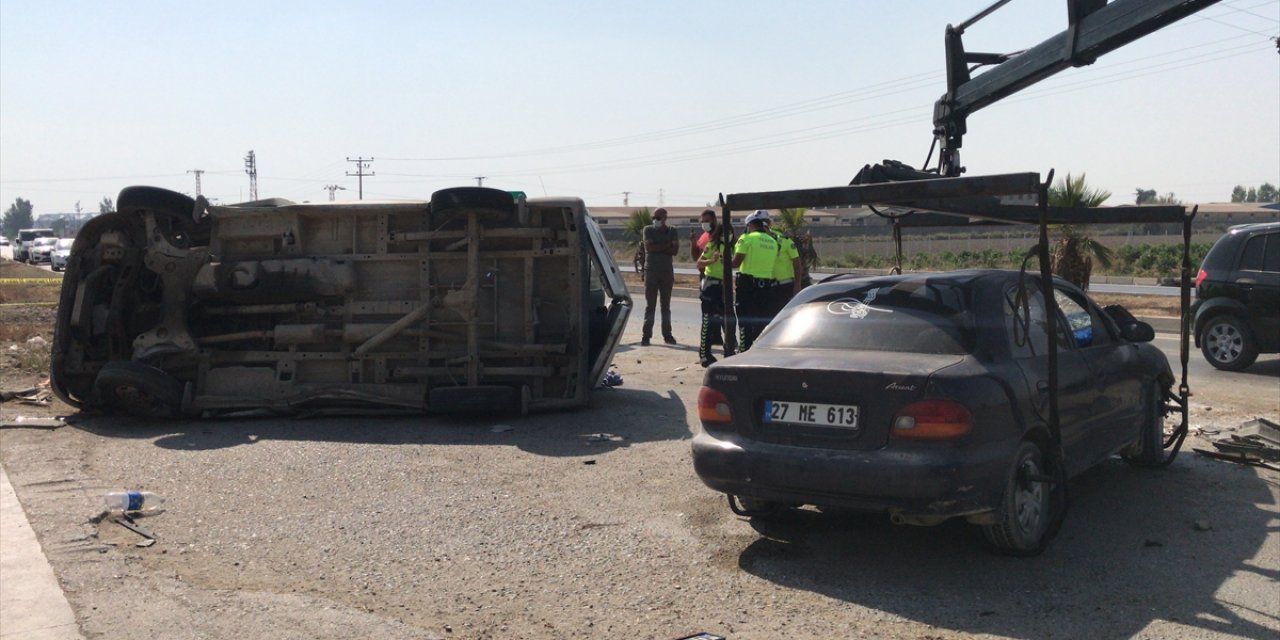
x: 122, y: 501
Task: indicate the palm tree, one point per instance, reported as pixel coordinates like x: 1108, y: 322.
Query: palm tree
x: 1075, y: 251
x: 633, y: 230
x: 790, y: 223
x: 789, y: 220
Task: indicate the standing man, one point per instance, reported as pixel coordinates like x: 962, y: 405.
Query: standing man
x: 709, y: 251
x: 661, y: 244
x: 788, y: 271
x: 753, y: 257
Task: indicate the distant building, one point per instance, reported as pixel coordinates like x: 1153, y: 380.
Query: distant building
x: 66, y: 224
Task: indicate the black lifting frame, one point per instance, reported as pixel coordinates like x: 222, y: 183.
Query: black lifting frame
x: 963, y: 201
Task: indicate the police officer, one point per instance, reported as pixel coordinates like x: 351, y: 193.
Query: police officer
x: 709, y: 248
x: 787, y: 271
x: 753, y: 257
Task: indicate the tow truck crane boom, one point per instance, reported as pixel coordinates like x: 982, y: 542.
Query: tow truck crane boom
x: 1094, y: 27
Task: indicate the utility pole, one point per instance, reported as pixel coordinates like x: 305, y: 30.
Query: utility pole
x: 197, y: 172
x: 480, y: 181
x: 251, y: 168
x: 626, y: 198
x: 661, y: 197
x: 331, y: 188
x: 362, y: 163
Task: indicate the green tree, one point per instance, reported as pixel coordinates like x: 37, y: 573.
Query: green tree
x: 19, y: 215
x: 1252, y: 195
x: 791, y: 223
x: 1267, y: 192
x: 634, y: 229
x: 1238, y: 194
x: 789, y: 220
x: 1076, y: 251
x: 106, y: 206
x: 1144, y: 195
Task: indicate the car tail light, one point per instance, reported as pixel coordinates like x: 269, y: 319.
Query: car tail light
x: 713, y: 406
x: 1200, y: 277
x: 932, y: 420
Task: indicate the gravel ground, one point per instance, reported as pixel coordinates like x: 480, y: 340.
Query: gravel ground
x: 591, y: 523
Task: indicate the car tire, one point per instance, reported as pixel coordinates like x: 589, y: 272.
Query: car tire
x: 176, y: 207
x: 472, y: 198
x: 1025, y: 517
x: 1149, y: 449
x: 494, y: 206
x: 1227, y: 343
x: 139, y: 389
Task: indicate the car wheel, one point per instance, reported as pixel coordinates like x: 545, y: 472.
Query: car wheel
x: 1148, y: 451
x: 493, y: 205
x: 1228, y: 344
x: 1026, y: 513
x: 139, y: 389
x: 174, y: 212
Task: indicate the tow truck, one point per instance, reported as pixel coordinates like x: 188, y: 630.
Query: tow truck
x: 943, y: 196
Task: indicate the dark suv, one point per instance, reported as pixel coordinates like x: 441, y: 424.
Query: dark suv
x: 1237, y: 313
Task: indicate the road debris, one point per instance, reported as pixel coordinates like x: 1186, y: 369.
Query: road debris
x: 611, y: 379
x: 128, y: 523
x: 1256, y: 442
x: 28, y: 422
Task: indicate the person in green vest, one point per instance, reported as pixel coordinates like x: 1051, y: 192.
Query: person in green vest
x: 709, y: 249
x: 788, y: 271
x: 753, y: 256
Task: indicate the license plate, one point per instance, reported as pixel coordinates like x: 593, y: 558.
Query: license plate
x: 823, y: 415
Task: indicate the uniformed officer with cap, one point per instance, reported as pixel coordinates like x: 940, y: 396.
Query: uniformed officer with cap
x: 753, y: 257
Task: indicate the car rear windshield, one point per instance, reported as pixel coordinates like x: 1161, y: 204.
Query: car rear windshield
x: 911, y: 316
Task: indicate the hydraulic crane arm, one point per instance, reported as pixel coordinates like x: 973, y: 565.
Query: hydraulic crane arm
x: 1095, y: 27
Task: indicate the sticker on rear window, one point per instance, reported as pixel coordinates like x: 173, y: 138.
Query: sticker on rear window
x: 855, y: 308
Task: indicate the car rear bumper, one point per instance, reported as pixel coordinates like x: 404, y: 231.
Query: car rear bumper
x: 940, y: 481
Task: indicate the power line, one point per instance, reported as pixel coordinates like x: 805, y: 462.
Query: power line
x: 877, y: 91
x: 331, y: 188
x: 361, y: 164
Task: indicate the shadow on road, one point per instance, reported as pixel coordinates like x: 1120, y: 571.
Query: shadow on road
x: 1130, y: 543
x: 615, y: 418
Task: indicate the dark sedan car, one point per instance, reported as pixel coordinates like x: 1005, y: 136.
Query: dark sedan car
x: 926, y: 397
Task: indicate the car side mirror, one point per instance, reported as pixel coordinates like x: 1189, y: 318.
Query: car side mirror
x: 1137, y: 331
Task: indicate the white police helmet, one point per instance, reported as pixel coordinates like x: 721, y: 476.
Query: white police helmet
x: 760, y: 216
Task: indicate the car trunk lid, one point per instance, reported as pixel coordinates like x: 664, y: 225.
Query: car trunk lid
x: 811, y: 394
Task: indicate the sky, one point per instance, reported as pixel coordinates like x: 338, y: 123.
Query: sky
x: 671, y: 102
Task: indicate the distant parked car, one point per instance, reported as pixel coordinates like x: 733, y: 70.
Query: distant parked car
x: 61, y: 251
x: 1237, y: 311
x: 22, y: 243
x: 4, y: 242
x: 925, y: 396
x: 39, y: 249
